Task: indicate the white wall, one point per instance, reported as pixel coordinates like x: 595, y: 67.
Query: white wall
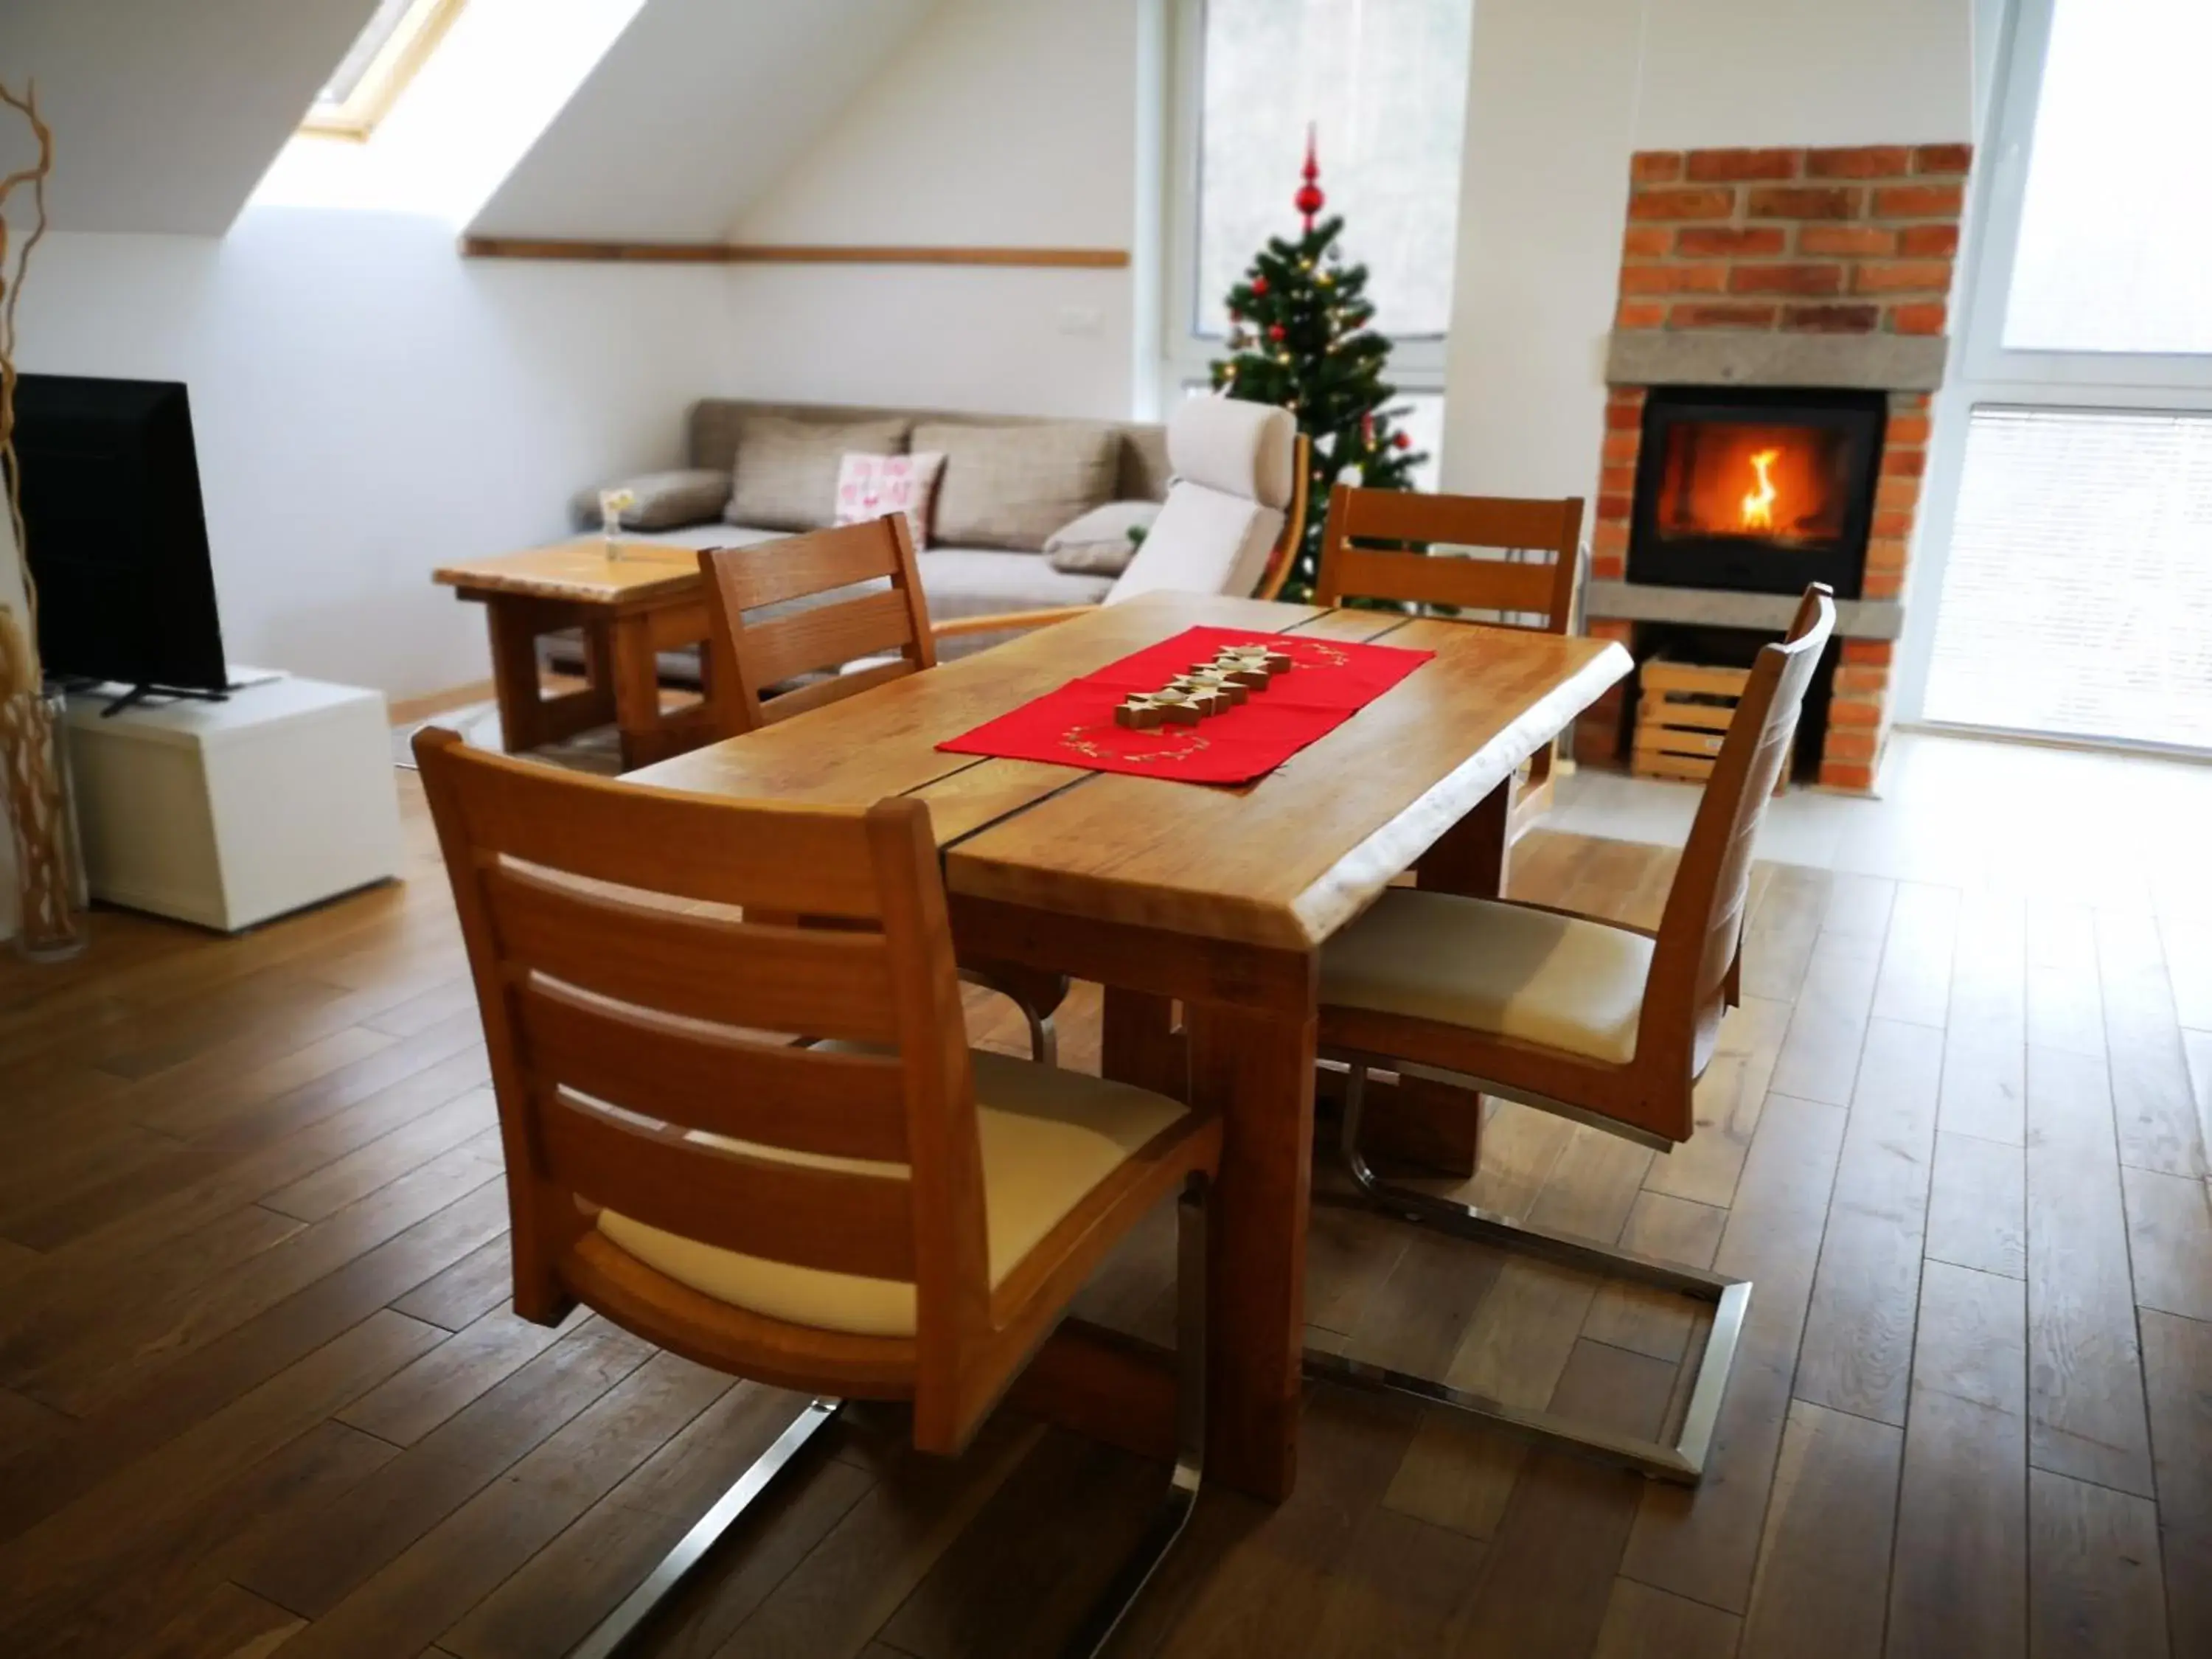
x: 503, y: 72
x: 1009, y: 122
x: 167, y: 113
x: 1787, y: 72
x: 1550, y: 110
x: 1562, y: 92
x: 366, y: 404
x: 694, y: 111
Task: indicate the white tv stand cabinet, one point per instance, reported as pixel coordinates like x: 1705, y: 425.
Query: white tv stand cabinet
x: 227, y: 814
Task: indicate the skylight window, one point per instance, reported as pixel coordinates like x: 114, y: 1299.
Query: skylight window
x: 369, y: 78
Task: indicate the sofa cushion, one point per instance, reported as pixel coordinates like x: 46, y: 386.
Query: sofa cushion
x: 981, y: 581
x: 1012, y: 486
x: 1142, y: 472
x: 716, y: 534
x: 664, y: 500
x: 1098, y: 544
x: 785, y: 474
x: 985, y: 581
x: 871, y: 487
x: 955, y: 582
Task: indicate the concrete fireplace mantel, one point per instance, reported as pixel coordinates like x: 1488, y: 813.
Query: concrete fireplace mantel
x: 1872, y: 362
x: 1856, y: 619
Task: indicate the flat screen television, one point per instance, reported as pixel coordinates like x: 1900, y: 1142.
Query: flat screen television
x: 116, y: 539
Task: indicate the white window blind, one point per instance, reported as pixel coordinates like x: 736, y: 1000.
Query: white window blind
x: 2115, y: 243
x: 2077, y: 597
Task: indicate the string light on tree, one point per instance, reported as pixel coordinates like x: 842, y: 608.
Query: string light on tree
x: 1299, y: 339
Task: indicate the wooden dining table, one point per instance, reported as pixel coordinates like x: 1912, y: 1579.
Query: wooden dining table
x: 1216, y: 899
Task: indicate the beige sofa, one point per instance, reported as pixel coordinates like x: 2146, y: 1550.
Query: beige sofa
x: 958, y: 581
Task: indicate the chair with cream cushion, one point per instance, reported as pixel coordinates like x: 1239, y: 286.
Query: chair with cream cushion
x: 1514, y: 564
x: 1605, y: 1025
x: 1236, y: 474
x: 1231, y: 520
x: 1536, y: 976
x: 859, y: 1207
x: 809, y: 620
x: 791, y: 612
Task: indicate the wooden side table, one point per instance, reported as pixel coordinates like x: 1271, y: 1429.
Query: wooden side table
x: 629, y: 609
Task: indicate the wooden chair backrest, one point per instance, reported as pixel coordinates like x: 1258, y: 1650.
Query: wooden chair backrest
x: 747, y: 659
x: 1702, y: 927
x: 613, y: 972
x: 1545, y: 589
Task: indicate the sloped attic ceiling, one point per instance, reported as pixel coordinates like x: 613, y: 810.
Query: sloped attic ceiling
x: 167, y: 113
x: 695, y: 111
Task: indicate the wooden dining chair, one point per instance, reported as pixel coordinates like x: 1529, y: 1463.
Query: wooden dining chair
x: 748, y: 659
x: 1536, y: 593
x: 890, y: 623
x: 882, y: 1213
x: 1609, y: 1025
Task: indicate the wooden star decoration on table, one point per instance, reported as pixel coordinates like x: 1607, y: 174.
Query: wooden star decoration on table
x: 1224, y: 680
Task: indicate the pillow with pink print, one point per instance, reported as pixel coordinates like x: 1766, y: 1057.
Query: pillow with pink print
x: 869, y: 486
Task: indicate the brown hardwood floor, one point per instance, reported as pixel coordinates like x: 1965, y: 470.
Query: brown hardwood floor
x: 259, y: 1392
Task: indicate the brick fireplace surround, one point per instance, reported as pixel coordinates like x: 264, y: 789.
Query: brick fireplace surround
x: 1786, y: 267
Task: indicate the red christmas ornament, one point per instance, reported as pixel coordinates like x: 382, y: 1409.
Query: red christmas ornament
x: 1275, y: 332
x: 1310, y: 201
x: 1402, y: 440
x: 1260, y: 287
x: 1367, y: 429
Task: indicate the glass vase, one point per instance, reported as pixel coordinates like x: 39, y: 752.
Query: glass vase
x: 52, y: 922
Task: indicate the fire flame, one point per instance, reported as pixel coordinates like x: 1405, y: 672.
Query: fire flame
x: 1759, y: 505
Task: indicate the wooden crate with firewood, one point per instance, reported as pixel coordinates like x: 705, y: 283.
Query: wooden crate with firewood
x: 1683, y: 714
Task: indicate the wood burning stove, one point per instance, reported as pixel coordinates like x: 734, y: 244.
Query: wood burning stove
x: 1755, y: 490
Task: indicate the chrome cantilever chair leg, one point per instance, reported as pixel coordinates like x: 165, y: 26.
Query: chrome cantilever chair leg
x: 1105, y: 1614
x: 641, y: 1603
x: 1112, y: 1604
x: 1044, y: 1036
x: 1682, y: 1460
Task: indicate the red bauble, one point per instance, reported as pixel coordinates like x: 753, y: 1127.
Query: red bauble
x: 1275, y: 332
x: 1402, y: 440
x: 1309, y: 201
x: 1260, y: 285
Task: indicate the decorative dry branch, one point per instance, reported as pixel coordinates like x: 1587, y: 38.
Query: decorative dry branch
x: 35, y: 176
x: 31, y: 770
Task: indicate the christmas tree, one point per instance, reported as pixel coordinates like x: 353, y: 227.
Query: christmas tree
x: 1298, y: 327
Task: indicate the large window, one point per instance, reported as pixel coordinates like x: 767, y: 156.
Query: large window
x: 2065, y: 557
x: 2115, y: 247
x: 1383, y: 85
x: 375, y: 71
x: 2077, y: 597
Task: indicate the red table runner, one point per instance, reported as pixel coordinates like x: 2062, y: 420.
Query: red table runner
x: 1330, y: 681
